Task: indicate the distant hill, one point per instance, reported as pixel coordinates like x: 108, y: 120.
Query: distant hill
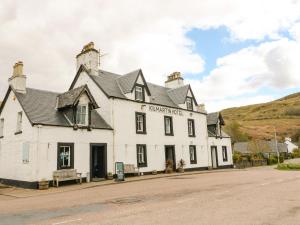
x: 258, y: 120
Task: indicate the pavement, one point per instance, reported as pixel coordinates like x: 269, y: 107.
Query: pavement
x: 254, y: 196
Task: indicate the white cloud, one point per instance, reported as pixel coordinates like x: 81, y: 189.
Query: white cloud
x: 150, y: 35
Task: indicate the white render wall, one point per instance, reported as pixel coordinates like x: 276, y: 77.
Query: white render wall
x: 50, y: 136
x: 219, y: 142
x: 11, y: 157
x: 155, y: 139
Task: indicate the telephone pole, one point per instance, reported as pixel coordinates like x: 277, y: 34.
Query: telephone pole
x: 276, y: 145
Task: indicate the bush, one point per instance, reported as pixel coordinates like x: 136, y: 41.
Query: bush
x: 237, y: 157
x: 274, y: 159
x: 296, y: 153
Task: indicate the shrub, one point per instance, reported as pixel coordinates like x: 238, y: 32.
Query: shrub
x: 237, y: 157
x: 296, y: 153
x: 288, y: 166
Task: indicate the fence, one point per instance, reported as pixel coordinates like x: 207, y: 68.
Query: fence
x: 245, y: 163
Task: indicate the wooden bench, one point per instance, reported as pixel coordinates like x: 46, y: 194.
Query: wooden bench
x: 129, y: 168
x: 66, y: 174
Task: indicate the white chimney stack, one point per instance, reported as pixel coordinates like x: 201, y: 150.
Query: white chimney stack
x: 174, y: 80
x: 89, y: 57
x: 18, y: 79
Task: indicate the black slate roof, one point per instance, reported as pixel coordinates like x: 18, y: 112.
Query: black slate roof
x: 114, y: 85
x: 212, y: 118
x: 266, y: 146
x: 40, y: 108
x: 68, y: 98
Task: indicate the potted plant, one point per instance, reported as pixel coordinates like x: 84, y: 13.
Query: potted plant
x: 154, y: 172
x: 181, y: 166
x: 110, y: 176
x: 169, y: 166
x: 43, y: 184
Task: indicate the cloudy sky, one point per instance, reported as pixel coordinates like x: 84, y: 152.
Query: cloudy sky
x: 233, y: 52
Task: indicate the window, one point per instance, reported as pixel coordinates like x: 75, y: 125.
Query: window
x: 139, y: 93
x: 1, y: 127
x: 141, y: 155
x: 19, y: 123
x: 193, y: 154
x: 191, y: 128
x: 224, y: 153
x: 189, y: 103
x: 168, y: 125
x: 140, y: 119
x: 65, y: 156
x: 25, y: 152
x: 81, y: 115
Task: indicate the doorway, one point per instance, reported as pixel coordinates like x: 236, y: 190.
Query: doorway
x: 170, y: 155
x: 214, y: 157
x: 98, y: 161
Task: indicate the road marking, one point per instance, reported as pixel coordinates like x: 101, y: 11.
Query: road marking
x: 67, y: 221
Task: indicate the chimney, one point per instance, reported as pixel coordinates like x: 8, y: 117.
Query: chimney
x: 174, y: 80
x: 201, y: 108
x: 18, y: 80
x: 89, y: 57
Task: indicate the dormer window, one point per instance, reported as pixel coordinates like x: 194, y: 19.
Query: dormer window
x: 139, y: 93
x: 189, y: 103
x: 82, y: 115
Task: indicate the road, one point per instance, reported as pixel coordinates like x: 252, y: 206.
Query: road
x: 253, y: 196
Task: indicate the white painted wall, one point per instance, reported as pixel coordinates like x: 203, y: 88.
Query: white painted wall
x: 219, y: 142
x: 11, y: 163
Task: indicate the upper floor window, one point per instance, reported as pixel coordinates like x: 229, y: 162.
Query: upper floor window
x: 224, y: 153
x: 189, y: 103
x: 140, y: 120
x: 168, y: 125
x: 139, y: 93
x: 191, y: 128
x: 141, y: 155
x: 1, y: 127
x: 19, y: 122
x: 82, y: 114
x: 193, y: 154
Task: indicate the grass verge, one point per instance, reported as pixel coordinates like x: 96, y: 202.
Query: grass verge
x: 288, y: 166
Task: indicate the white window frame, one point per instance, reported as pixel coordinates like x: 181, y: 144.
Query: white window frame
x: 140, y: 120
x: 80, y: 114
x: 141, y: 155
x: 189, y: 103
x: 1, y: 127
x: 191, y: 128
x: 224, y: 149
x: 193, y: 154
x: 139, y: 93
x: 19, y: 121
x: 25, y: 152
x: 66, y: 148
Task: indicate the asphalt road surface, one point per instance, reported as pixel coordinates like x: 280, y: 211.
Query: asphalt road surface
x: 253, y: 196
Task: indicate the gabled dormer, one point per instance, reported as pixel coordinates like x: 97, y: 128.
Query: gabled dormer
x: 134, y: 86
x: 77, y: 105
x: 214, y: 124
x: 183, y: 97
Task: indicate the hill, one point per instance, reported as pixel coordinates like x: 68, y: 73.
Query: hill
x: 258, y: 120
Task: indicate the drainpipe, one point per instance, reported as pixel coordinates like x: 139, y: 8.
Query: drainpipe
x: 37, y: 150
x: 113, y: 126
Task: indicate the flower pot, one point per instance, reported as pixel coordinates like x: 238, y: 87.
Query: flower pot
x: 110, y: 177
x: 43, y: 185
x: 180, y: 170
x: 154, y: 172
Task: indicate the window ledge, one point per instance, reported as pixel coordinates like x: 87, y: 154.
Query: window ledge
x: 141, y: 132
x: 192, y: 135
x: 193, y: 163
x: 18, y: 132
x: 169, y: 134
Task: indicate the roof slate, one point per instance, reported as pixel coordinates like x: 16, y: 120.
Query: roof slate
x: 68, y: 98
x: 178, y: 95
x: 244, y: 147
x: 127, y: 81
x: 40, y: 108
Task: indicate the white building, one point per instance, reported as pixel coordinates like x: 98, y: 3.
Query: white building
x: 103, y: 118
x: 290, y: 145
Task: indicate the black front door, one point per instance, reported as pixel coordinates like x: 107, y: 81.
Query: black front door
x: 98, y: 161
x: 170, y: 154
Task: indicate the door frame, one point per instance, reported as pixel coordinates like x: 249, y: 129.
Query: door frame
x: 173, y: 153
x: 216, y: 153
x: 104, y: 155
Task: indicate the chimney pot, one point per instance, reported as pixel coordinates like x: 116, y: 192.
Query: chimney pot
x: 18, y: 69
x: 18, y: 80
x: 89, y: 57
x: 174, y: 80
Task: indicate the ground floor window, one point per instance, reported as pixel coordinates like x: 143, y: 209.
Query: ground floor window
x: 65, y: 156
x: 224, y: 153
x: 141, y: 155
x: 193, y: 154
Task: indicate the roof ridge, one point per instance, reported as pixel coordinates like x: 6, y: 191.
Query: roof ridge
x: 36, y: 89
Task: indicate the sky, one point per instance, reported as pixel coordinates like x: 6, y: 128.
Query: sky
x: 233, y: 52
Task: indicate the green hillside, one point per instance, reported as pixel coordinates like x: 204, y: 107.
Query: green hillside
x: 258, y: 121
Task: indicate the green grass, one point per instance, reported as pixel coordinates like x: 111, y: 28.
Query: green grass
x: 288, y: 166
